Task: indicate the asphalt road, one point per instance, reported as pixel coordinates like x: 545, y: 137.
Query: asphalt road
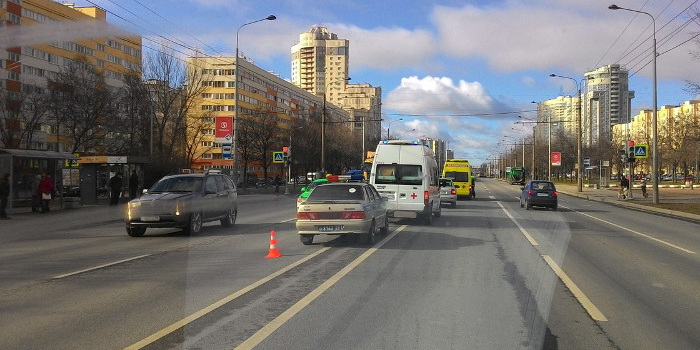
x: 486, y: 275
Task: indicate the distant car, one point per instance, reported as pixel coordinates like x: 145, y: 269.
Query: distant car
x: 343, y: 208
x: 305, y: 191
x: 539, y: 193
x: 666, y: 177
x: 185, y: 201
x: 448, y: 192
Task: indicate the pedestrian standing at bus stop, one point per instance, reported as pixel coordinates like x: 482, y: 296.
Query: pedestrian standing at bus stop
x: 133, y: 184
x: 115, y: 188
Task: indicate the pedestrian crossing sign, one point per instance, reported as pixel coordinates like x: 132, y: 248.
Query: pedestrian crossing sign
x: 641, y: 151
x: 278, y: 157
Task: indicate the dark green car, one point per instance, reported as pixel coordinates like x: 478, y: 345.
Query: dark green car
x: 305, y: 191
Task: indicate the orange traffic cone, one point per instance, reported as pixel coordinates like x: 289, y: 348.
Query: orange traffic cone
x: 274, y: 252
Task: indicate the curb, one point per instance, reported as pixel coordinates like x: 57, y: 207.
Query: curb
x: 634, y: 205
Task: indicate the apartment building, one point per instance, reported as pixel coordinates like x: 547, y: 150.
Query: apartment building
x: 678, y: 129
x: 258, y: 90
x: 320, y: 65
x: 557, y: 116
x: 606, y: 102
x: 52, y: 36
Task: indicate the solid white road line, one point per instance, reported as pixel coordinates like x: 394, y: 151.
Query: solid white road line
x: 179, y: 324
x: 578, y: 294
x: 522, y: 229
x: 636, y: 232
x: 100, y: 266
x: 266, y: 331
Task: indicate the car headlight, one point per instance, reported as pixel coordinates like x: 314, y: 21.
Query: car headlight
x: 134, y: 204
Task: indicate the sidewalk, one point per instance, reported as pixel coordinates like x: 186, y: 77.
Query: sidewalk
x: 667, y: 195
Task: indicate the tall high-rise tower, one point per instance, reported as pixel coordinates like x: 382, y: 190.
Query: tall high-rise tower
x: 606, y: 102
x: 320, y: 63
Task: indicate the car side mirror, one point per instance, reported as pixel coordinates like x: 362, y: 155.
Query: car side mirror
x: 303, y: 189
x: 144, y: 191
x: 522, y: 187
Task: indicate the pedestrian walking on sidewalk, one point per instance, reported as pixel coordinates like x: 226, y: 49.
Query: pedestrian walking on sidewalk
x: 115, y: 188
x: 46, y: 192
x: 133, y: 184
x: 4, y: 195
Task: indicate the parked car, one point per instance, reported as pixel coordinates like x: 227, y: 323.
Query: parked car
x: 343, y: 208
x: 539, y: 193
x: 448, y: 192
x: 666, y: 177
x: 185, y: 201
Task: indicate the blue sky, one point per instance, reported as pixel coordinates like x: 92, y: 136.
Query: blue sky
x: 456, y: 64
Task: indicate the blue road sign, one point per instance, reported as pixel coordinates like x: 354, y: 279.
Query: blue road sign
x: 278, y: 157
x: 586, y: 162
x: 641, y: 151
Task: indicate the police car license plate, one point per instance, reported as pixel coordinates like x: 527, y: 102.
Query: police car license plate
x: 330, y: 228
x: 150, y: 218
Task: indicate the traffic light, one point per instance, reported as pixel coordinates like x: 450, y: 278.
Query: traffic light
x: 623, y: 155
x: 630, y: 151
x: 286, y: 153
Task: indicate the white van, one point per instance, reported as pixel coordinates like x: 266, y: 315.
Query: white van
x: 406, y: 173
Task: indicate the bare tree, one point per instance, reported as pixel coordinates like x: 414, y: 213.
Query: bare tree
x: 196, y: 124
x: 81, y: 102
x: 131, y: 126
x: 173, y: 89
x: 21, y: 114
x: 265, y: 136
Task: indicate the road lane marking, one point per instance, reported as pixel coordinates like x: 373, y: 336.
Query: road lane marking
x: 100, y: 266
x: 575, y: 290
x: 492, y: 197
x: 278, y: 322
x: 635, y: 232
x: 288, y: 220
x: 181, y: 323
x: 522, y: 229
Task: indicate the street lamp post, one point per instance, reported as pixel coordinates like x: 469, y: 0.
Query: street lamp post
x: 389, y: 126
x: 579, y: 178
x: 289, y: 160
x: 236, y: 75
x: 655, y: 154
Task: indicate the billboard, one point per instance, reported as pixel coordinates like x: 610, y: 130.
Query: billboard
x: 556, y: 158
x: 223, y: 130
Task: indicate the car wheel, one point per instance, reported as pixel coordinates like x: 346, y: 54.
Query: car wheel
x: 554, y: 207
x: 135, y: 231
x: 230, y: 219
x: 194, y: 225
x: 385, y: 229
x: 306, y: 239
x: 371, y: 236
x: 454, y: 204
x: 428, y: 218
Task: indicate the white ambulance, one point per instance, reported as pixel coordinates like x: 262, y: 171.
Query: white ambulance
x: 406, y: 173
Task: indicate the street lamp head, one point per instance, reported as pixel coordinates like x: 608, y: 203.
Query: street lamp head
x: 614, y: 7
x: 271, y: 18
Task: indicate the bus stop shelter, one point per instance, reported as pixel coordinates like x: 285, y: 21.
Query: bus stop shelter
x: 24, y: 165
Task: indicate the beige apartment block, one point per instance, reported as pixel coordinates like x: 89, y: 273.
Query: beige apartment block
x: 258, y: 90
x: 678, y: 129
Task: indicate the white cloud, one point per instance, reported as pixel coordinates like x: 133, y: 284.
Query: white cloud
x: 387, y: 48
x: 529, y: 81
x: 544, y: 34
x: 440, y: 96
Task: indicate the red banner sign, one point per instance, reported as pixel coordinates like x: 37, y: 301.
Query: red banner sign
x: 556, y: 158
x: 224, y: 129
